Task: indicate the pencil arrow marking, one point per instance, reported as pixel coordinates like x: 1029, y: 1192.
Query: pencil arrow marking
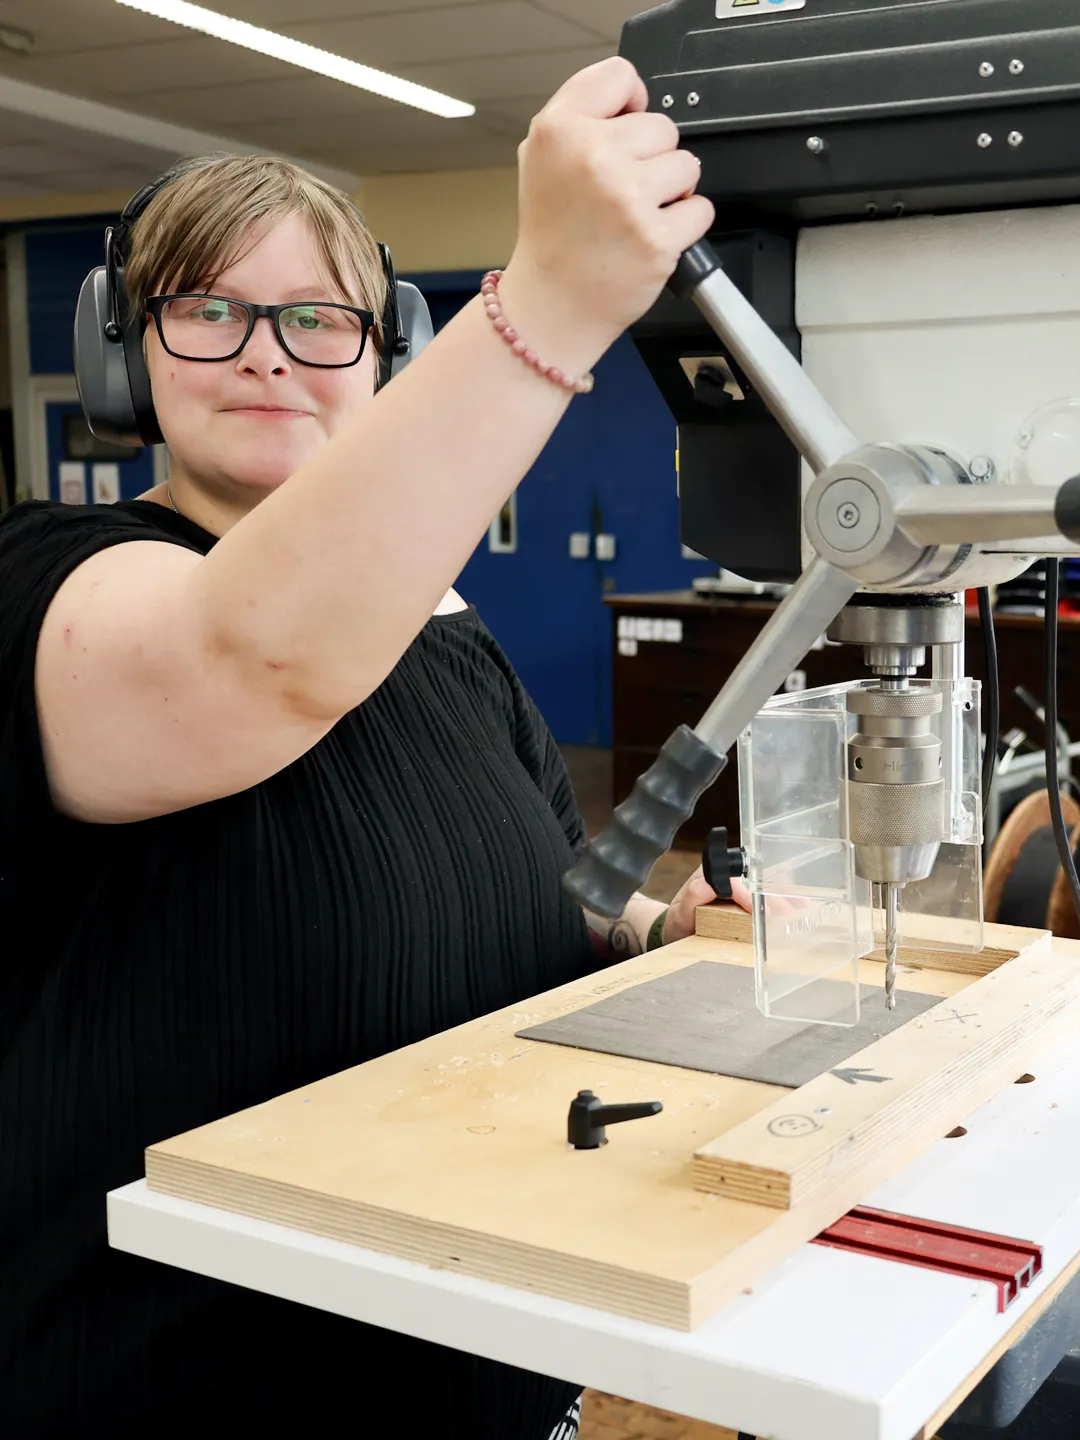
x: 852, y: 1077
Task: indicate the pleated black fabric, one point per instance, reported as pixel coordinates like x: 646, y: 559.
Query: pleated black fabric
x: 400, y: 878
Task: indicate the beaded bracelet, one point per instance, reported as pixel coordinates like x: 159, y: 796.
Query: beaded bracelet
x: 489, y: 289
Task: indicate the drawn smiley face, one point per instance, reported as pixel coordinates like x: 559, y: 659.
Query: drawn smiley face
x: 790, y: 1127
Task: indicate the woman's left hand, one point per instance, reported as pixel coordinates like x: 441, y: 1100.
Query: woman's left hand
x: 697, y: 891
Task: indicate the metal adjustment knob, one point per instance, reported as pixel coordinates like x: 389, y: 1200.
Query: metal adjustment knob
x: 589, y: 1115
x: 710, y: 388
x: 721, y: 863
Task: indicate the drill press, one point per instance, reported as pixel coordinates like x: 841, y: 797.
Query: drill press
x: 899, y: 220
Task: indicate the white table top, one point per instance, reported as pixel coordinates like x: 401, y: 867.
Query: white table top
x: 829, y: 1344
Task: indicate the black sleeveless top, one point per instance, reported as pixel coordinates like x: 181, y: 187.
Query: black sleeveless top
x: 402, y: 877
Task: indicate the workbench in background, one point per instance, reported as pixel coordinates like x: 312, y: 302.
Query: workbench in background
x: 695, y: 642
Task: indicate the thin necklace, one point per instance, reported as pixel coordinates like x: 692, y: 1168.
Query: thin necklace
x: 172, y: 502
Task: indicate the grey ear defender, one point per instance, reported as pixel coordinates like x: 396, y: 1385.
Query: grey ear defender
x: 407, y: 326
x: 414, y: 325
x: 101, y: 366
x: 110, y: 369
x: 111, y: 375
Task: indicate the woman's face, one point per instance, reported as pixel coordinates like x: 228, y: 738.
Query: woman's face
x: 248, y: 423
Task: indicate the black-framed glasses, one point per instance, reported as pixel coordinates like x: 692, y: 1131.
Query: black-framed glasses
x: 215, y: 327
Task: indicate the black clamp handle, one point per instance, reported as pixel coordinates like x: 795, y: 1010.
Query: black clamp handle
x: 619, y: 860
x: 589, y: 1115
x: 721, y: 863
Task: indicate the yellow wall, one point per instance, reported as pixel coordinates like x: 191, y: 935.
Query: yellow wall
x: 446, y: 220
x: 48, y: 207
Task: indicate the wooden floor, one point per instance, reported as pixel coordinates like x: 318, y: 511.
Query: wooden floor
x: 604, y: 1417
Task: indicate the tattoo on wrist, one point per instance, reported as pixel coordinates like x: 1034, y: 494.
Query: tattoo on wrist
x: 623, y: 940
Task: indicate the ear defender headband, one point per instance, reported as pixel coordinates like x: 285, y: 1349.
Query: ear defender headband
x: 110, y: 369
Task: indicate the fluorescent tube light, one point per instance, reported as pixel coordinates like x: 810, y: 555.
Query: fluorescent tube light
x: 308, y: 57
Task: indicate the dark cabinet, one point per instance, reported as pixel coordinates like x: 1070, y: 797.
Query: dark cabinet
x: 661, y: 682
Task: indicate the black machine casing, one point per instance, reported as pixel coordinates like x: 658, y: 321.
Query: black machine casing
x: 899, y: 98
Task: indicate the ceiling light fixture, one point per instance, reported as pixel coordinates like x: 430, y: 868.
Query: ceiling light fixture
x: 308, y: 57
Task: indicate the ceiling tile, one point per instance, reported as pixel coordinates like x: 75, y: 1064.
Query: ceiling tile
x: 506, y: 56
x: 394, y: 126
x: 499, y: 77
x: 276, y: 13
x: 52, y: 146
x: 19, y: 189
x: 511, y: 128
x: 473, y: 154
x: 29, y: 161
x: 513, y: 113
x: 136, y: 69
x: 295, y: 97
x: 606, y: 17
x: 15, y: 127
x: 124, y: 152
x: 70, y: 25
x: 81, y: 182
x: 508, y: 28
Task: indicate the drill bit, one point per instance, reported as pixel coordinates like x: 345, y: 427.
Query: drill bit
x: 891, y: 897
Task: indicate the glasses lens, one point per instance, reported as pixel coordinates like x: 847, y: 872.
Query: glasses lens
x: 202, y: 328
x: 323, y: 334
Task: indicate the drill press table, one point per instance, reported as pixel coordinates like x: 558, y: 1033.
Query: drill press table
x: 825, y: 1344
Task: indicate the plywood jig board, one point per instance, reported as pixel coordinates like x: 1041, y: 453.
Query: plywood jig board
x: 453, y: 1151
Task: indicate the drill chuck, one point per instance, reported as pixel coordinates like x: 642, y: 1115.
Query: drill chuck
x: 896, y: 789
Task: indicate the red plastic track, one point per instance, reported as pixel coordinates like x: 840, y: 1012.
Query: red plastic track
x: 1009, y: 1264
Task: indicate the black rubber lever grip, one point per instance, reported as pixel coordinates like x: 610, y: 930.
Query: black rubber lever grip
x: 618, y: 861
x: 1067, y: 510
x: 696, y: 265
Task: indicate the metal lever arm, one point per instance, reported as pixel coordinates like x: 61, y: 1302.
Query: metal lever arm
x: 643, y: 827
x: 799, y: 621
x: 618, y: 861
x: 970, y: 514
x: 808, y: 419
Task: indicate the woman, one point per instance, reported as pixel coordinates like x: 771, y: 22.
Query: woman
x: 274, y: 801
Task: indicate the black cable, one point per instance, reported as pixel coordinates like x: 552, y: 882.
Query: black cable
x: 992, y: 696
x: 1050, y: 710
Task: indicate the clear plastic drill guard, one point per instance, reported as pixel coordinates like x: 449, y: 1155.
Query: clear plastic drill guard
x: 813, y: 915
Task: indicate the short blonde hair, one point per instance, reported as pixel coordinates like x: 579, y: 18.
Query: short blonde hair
x: 197, y: 224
